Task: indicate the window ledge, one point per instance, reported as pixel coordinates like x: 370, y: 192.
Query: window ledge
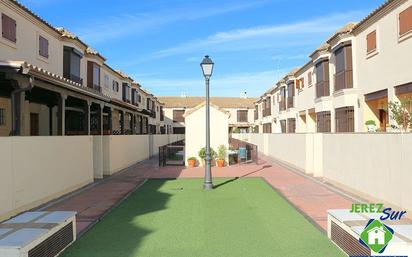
x: 43, y: 59
x: 322, y: 99
x: 8, y: 43
x: 405, y: 36
x: 372, y: 54
x: 344, y: 91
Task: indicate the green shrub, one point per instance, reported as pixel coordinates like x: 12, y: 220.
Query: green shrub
x: 370, y: 122
x: 221, y: 152
x: 191, y: 159
x: 202, y: 153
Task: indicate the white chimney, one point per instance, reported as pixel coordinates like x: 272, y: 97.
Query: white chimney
x: 243, y: 95
x: 183, y: 95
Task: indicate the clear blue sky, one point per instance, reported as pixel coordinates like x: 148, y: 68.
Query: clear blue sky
x: 160, y: 43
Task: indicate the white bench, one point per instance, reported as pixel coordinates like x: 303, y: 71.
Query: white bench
x: 37, y: 234
x: 345, y: 227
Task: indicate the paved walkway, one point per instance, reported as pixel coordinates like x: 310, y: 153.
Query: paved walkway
x: 310, y: 196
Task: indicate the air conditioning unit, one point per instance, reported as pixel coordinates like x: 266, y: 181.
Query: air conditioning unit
x: 37, y: 234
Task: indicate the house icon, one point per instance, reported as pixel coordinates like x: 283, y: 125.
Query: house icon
x: 376, y: 236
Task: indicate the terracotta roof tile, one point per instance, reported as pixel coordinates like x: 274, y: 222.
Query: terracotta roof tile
x: 378, y: 9
x: 199, y: 106
x: 222, y: 102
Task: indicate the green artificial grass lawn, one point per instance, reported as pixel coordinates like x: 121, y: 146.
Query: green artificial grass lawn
x: 176, y: 218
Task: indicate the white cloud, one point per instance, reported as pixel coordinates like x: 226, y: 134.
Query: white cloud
x: 134, y: 23
x: 297, y: 33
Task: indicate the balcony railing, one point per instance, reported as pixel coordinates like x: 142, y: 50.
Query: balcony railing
x: 97, y: 88
x: 322, y: 89
x: 290, y: 102
x: 343, y: 79
x: 76, y: 79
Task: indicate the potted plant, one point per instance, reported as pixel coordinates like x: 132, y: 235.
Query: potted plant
x: 202, y: 155
x: 401, y: 113
x: 191, y: 161
x: 371, y: 125
x: 221, y: 156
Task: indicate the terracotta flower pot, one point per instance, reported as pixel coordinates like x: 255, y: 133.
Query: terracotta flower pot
x: 192, y: 163
x: 220, y: 163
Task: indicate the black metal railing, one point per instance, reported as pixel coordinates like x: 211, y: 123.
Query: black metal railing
x: 172, y: 154
x: 251, y: 150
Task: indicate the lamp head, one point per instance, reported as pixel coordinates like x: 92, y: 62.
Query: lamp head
x: 207, y: 66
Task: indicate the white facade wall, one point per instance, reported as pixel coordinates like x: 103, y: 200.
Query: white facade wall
x: 26, y: 48
x: 196, y: 130
x: 389, y: 66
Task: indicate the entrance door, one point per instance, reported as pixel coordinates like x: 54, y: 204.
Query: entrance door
x: 34, y: 124
x: 382, y: 119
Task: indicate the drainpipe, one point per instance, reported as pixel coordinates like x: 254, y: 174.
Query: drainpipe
x: 16, y: 126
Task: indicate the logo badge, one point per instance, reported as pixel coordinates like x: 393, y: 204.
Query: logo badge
x: 376, y: 236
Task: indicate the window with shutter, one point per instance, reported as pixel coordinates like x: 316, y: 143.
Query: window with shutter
x: 8, y: 26
x: 322, y: 78
x: 371, y: 42
x: 405, y: 21
x: 178, y: 116
x: 96, y: 75
x: 90, y: 74
x: 242, y: 116
x: 309, y: 78
x: 43, y: 47
x: 115, y: 86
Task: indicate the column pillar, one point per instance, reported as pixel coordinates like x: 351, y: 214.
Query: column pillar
x: 87, y: 117
x: 50, y: 120
x: 110, y: 120
x: 62, y: 115
x: 122, y: 122
x: 101, y: 118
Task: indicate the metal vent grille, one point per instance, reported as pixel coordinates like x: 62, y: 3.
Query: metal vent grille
x: 347, y: 242
x: 54, y: 244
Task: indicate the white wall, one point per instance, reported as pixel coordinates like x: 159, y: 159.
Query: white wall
x: 120, y: 152
x: 288, y: 148
x: 373, y: 166
x: 35, y: 170
x: 196, y: 131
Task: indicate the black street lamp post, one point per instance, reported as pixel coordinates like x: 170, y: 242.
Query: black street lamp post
x: 207, y: 68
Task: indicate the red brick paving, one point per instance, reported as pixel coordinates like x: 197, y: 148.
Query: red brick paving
x: 311, y: 197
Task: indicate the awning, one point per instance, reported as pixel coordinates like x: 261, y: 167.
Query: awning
x: 376, y: 95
